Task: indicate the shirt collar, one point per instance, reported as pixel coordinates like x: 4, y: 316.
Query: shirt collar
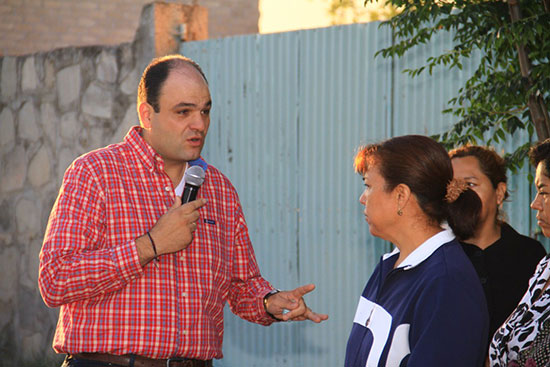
x: 425, y: 250
x: 144, y: 151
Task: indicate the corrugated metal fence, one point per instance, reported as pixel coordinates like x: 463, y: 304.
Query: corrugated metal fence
x: 290, y: 109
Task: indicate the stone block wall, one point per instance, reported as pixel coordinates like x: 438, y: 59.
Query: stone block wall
x: 55, y: 106
x: 40, y: 25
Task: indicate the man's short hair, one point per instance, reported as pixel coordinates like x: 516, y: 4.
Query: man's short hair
x: 156, y: 73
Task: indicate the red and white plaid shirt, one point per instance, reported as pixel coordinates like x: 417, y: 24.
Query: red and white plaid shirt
x: 110, y: 303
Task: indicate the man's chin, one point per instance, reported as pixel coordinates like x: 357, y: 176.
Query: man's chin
x: 191, y: 154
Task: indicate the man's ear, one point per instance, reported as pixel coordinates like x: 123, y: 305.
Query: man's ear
x: 145, y: 112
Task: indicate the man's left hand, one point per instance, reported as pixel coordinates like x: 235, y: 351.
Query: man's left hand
x: 290, y: 305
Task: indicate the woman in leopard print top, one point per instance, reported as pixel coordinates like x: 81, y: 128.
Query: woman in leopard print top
x: 524, y: 339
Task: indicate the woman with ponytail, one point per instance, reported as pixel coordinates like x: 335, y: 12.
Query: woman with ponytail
x: 421, y: 306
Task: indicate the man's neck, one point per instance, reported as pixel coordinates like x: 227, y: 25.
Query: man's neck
x: 175, y: 171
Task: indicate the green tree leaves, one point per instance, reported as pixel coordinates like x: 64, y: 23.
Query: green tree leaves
x: 493, y: 104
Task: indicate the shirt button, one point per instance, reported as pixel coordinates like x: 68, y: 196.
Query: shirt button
x: 483, y: 280
x: 184, y: 294
x: 167, y: 188
x: 184, y: 332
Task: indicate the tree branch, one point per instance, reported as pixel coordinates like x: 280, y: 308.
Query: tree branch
x: 537, y: 107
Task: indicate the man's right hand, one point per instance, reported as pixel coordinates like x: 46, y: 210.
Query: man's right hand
x: 172, y: 232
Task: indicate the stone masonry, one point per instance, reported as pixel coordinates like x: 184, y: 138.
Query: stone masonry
x: 55, y: 106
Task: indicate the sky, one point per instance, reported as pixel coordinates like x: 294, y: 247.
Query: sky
x: 289, y: 15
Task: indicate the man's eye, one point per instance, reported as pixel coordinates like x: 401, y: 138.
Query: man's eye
x: 205, y: 112
x: 183, y: 112
x: 471, y: 184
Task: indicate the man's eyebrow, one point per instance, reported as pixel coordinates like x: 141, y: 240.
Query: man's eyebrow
x: 185, y: 104
x: 189, y: 104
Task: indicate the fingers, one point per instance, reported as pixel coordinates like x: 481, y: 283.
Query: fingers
x: 314, y: 316
x: 193, y: 205
x: 293, y: 302
x: 189, y: 210
x: 303, y: 290
x: 293, y: 309
x: 303, y: 314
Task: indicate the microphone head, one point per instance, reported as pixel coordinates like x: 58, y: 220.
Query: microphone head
x: 194, y: 175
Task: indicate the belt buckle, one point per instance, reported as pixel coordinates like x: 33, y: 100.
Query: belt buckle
x: 175, y: 360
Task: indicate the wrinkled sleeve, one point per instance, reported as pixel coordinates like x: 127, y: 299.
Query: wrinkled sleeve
x: 248, y: 288
x: 451, y: 326
x: 76, y: 263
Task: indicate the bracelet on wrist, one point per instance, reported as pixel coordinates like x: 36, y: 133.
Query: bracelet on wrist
x: 154, y: 248
x: 274, y: 291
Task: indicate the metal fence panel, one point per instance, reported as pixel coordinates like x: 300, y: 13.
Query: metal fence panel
x: 338, y: 111
x: 289, y: 111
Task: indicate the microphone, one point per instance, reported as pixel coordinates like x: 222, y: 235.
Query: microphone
x: 194, y: 177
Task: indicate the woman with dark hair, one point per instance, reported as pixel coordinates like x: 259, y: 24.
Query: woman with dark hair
x: 504, y: 259
x: 421, y: 305
x: 524, y: 339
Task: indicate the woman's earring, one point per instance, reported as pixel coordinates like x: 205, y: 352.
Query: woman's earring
x: 400, y: 212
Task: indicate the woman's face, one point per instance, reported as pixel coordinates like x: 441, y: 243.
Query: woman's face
x: 380, y: 205
x: 469, y: 170
x: 542, y: 200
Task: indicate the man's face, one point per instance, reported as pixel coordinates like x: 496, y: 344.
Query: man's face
x: 178, y: 131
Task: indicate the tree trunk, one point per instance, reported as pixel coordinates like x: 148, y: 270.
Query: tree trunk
x: 535, y: 102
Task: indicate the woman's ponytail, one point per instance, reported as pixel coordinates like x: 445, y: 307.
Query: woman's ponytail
x: 463, y: 209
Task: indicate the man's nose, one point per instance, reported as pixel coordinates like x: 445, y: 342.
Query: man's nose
x: 199, y: 122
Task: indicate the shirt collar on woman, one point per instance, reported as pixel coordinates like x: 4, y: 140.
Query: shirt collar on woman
x: 425, y: 250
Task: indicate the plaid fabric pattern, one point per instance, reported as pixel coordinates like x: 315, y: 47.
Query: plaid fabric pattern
x: 110, y: 303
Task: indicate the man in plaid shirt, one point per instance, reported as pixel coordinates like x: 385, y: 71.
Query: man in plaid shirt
x: 140, y: 279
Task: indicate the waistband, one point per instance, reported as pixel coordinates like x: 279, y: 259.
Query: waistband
x: 139, y: 361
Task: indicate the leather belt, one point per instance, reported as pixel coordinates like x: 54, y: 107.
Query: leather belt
x: 126, y: 360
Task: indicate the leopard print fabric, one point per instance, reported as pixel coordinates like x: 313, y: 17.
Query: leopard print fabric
x: 538, y: 353
x: 511, y: 344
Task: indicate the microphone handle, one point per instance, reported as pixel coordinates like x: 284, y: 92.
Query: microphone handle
x: 189, y: 193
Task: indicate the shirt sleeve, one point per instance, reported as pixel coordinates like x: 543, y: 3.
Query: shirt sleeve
x: 76, y: 263
x: 248, y: 288
x: 451, y: 325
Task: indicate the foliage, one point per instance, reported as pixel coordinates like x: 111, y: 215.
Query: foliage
x: 492, y: 105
